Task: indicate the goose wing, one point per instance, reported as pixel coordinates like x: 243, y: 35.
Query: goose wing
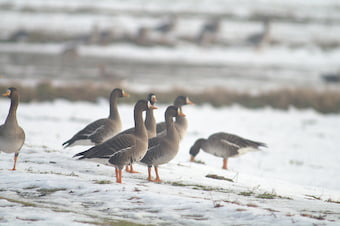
x: 109, y: 147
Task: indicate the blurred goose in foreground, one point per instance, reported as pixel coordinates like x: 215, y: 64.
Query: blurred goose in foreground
x: 124, y: 149
x: 181, y: 122
x: 224, y: 145
x: 102, y: 129
x: 150, y: 124
x: 163, y: 149
x: 12, y: 136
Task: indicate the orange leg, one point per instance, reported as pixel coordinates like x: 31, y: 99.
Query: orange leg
x: 225, y: 164
x: 15, y: 161
x: 130, y: 170
x: 149, y: 174
x: 118, y: 175
x: 127, y: 168
x: 158, y: 179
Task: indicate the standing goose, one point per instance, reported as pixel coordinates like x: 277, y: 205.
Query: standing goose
x: 181, y: 123
x: 163, y: 149
x: 12, y: 136
x: 224, y: 145
x: 150, y: 124
x: 124, y: 149
x: 102, y: 129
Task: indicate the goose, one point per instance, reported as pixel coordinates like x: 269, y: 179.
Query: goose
x: 12, y: 136
x: 224, y: 145
x: 123, y: 149
x: 181, y: 123
x: 102, y: 129
x: 163, y: 149
x: 150, y: 124
x: 260, y: 39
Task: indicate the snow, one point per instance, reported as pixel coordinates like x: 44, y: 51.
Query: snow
x: 300, y: 163
x: 299, y: 169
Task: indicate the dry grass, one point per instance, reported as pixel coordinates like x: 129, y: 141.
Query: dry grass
x: 321, y: 101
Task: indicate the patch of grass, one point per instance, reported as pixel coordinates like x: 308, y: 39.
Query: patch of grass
x: 266, y: 195
x: 314, y: 197
x: 252, y: 205
x: 246, y: 193
x: 48, y: 191
x: 178, y: 184
x: 110, y: 222
x: 24, y: 203
x: 72, y: 174
x: 103, y: 182
x: 319, y: 217
x: 241, y: 209
x: 327, y: 101
x: 199, y: 187
x: 214, y: 176
x: 30, y: 187
x: 27, y: 219
x: 333, y: 201
x: 199, y: 162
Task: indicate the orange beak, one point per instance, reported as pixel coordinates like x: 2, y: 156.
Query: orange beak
x: 153, y: 107
x: 125, y: 94
x: 189, y: 101
x: 180, y: 113
x: 192, y: 159
x: 7, y: 94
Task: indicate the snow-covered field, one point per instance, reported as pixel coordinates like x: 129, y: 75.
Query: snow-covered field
x: 299, y: 171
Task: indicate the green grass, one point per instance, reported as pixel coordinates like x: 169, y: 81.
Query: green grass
x: 266, y: 195
x: 217, y: 177
x: 24, y: 203
x: 48, y: 191
x: 246, y: 193
x: 103, y: 182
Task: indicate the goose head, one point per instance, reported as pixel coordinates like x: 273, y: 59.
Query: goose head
x: 182, y: 100
x: 173, y: 111
x: 11, y: 93
x: 195, y: 148
x: 152, y: 98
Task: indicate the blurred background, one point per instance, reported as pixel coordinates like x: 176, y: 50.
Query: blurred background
x: 251, y: 52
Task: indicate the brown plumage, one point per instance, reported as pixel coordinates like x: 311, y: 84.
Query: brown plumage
x: 163, y: 149
x: 124, y: 149
x: 102, y: 129
x: 224, y: 145
x: 12, y: 136
x: 181, y: 123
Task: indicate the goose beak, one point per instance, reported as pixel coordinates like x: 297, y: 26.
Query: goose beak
x: 7, y: 94
x: 154, y: 99
x: 189, y: 101
x: 125, y: 94
x: 153, y: 107
x: 180, y: 113
x: 192, y: 159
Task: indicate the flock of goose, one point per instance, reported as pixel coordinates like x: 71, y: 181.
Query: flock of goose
x: 148, y: 142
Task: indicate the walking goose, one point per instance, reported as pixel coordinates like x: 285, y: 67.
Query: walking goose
x: 181, y: 123
x: 12, y: 136
x: 124, y: 149
x: 163, y: 149
x: 150, y: 124
x: 224, y: 145
x: 102, y: 129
